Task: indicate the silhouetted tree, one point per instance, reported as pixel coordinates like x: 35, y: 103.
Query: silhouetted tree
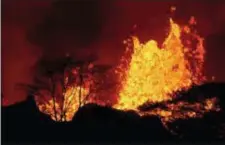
x: 61, y: 71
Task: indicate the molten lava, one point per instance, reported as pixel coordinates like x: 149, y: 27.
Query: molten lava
x: 148, y: 73
x: 183, y: 110
x: 155, y: 73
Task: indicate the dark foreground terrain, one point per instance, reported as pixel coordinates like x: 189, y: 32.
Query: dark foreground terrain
x: 23, y: 122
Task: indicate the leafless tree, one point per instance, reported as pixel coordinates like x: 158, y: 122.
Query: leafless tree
x: 67, y: 79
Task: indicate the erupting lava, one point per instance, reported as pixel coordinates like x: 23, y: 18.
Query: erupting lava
x: 147, y: 73
x: 155, y: 73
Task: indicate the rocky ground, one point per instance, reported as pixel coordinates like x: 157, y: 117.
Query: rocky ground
x: 23, y: 122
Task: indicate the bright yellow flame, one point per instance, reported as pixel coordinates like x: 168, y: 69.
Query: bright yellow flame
x: 154, y: 73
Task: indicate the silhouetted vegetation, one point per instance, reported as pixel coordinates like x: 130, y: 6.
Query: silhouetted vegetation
x: 104, y: 124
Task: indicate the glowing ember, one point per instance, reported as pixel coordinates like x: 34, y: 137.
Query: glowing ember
x: 155, y: 73
x: 183, y: 110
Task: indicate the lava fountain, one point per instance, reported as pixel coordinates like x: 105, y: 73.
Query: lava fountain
x: 154, y: 74
x: 148, y: 73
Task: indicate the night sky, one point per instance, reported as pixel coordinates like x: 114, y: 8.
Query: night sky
x: 49, y: 29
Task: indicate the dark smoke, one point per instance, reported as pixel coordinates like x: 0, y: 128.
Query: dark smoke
x: 18, y: 54
x: 70, y: 27
x: 31, y: 34
x: 35, y: 30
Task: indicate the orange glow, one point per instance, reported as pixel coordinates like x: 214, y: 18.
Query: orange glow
x: 184, y: 110
x: 69, y: 93
x: 66, y: 110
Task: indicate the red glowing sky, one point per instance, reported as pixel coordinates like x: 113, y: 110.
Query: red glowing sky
x: 115, y: 19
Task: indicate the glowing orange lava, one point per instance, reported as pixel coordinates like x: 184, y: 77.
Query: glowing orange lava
x: 184, y: 110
